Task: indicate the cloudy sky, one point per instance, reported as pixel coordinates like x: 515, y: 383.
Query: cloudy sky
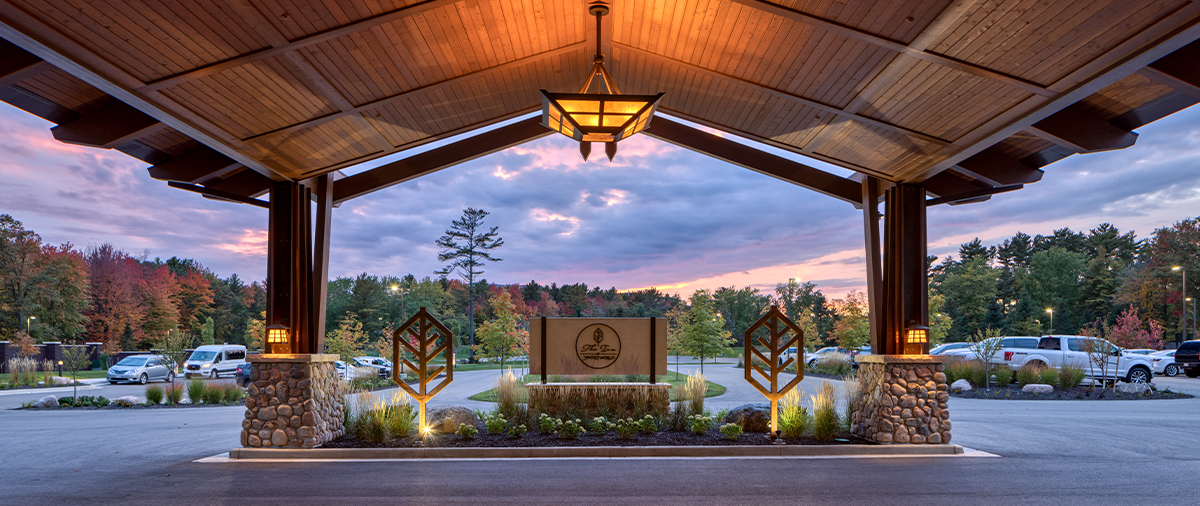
x: 658, y: 216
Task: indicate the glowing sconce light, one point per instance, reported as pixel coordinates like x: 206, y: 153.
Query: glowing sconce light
x: 277, y: 339
x: 916, y: 341
x: 606, y: 116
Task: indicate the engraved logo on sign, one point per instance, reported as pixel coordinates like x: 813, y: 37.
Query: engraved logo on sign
x: 598, y: 346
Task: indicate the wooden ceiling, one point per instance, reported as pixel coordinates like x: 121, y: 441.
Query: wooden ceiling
x: 971, y: 97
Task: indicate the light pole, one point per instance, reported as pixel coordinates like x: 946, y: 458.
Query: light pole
x: 1193, y: 300
x: 1183, y: 317
x: 1051, y: 311
x: 29, y: 325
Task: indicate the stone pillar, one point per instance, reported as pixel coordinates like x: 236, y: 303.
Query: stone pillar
x: 904, y: 399
x: 292, y: 401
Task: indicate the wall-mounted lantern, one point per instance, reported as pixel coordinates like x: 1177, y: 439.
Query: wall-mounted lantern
x: 277, y: 339
x: 916, y: 340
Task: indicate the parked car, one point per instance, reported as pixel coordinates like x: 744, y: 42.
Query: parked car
x: 1054, y: 351
x: 344, y: 370
x: 242, y: 376
x: 1164, y: 363
x: 1141, y: 351
x: 382, y: 365
x: 140, y: 369
x: 1187, y: 357
x: 215, y: 360
x: 812, y: 358
x: 948, y: 347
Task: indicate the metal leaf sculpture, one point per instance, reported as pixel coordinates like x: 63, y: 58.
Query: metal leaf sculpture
x: 425, y: 331
x: 777, y: 326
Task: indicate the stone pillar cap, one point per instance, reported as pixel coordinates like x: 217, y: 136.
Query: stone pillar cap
x: 292, y: 357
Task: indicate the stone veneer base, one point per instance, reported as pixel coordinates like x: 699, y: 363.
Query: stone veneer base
x: 292, y: 401
x: 904, y: 400
x: 598, y: 451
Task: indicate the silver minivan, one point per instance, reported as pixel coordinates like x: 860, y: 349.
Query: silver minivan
x: 141, y: 369
x: 215, y: 360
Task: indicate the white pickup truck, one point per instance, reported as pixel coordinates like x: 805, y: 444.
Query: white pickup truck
x: 1053, y: 351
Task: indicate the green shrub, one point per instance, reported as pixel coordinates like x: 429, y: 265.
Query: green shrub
x: 970, y: 370
x: 1070, y: 376
x: 234, y: 394
x: 195, y: 390
x: 600, y: 424
x: 495, y: 423
x: 825, y: 417
x: 1004, y: 375
x: 401, y: 419
x: 154, y: 394
x: 1027, y: 374
x: 1048, y: 376
x: 794, y: 419
x: 570, y: 429
x: 173, y: 393
x: 731, y: 431
x: 546, y: 424
x: 648, y: 425
x: 699, y: 423
x: 102, y: 401
x: 626, y: 428
x: 213, y: 394
x: 468, y: 432
x: 517, y: 430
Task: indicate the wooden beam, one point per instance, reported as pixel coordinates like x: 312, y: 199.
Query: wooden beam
x: 17, y: 64
x: 1178, y: 70
x: 357, y: 110
x: 948, y: 20
x: 245, y: 182
x: 316, y: 38
x: 1076, y: 129
x: 870, y: 204
x: 437, y: 159
x: 223, y: 195
x: 193, y: 166
x: 322, y: 190
x: 756, y: 160
x: 950, y: 182
x: 972, y: 195
x: 905, y: 275
x: 107, y: 127
x: 1000, y: 169
x: 785, y: 95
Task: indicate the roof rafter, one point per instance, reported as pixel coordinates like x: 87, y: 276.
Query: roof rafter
x: 193, y: 166
x: 787, y: 96
x: 759, y: 161
x: 108, y: 127
x: 1081, y: 132
x: 357, y: 110
x: 1000, y: 169
x: 1178, y: 70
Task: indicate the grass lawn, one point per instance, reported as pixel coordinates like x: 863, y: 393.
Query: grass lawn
x: 713, y: 390
x: 81, y: 375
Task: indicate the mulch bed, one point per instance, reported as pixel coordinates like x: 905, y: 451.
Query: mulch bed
x: 1014, y: 393
x: 540, y: 440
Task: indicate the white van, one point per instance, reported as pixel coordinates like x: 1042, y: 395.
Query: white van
x: 215, y: 360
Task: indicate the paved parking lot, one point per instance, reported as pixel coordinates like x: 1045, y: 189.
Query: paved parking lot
x: 1051, y: 452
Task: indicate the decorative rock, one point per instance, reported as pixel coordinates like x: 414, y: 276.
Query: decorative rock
x: 1133, y: 388
x: 59, y: 380
x: 885, y: 438
x: 751, y: 417
x: 267, y: 413
x: 904, y: 405
x: 48, y: 401
x: 254, y: 440
x: 897, y: 390
x: 908, y: 401
x: 1038, y: 388
x: 917, y: 439
x: 934, y: 438
x: 961, y: 385
x: 279, y: 438
x: 128, y: 400
x: 284, y: 410
x: 446, y: 419
x: 939, y: 377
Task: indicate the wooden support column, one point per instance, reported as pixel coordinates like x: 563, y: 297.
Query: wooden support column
x: 288, y: 260
x: 870, y: 201
x: 323, y: 193
x: 905, y: 284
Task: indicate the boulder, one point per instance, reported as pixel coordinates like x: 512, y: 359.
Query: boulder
x: 59, y: 380
x: 127, y: 401
x: 1133, y: 388
x: 752, y: 417
x: 446, y: 419
x: 48, y: 401
x: 1038, y: 388
x: 961, y: 385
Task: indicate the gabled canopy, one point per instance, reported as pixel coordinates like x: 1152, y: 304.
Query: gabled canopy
x: 970, y: 97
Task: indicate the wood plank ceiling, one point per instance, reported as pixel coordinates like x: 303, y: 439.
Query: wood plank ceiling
x: 968, y: 96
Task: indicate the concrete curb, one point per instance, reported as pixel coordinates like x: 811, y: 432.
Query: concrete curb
x: 594, y: 452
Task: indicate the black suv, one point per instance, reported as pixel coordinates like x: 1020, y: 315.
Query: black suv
x: 1187, y: 357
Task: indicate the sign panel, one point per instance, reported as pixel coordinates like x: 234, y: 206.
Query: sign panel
x: 598, y: 345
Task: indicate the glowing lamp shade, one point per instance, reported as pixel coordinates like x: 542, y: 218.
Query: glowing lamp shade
x: 597, y: 117
x: 277, y: 339
x: 916, y: 340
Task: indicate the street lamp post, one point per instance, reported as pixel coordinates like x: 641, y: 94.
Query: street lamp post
x: 1051, y: 311
x: 1193, y: 301
x: 1183, y: 316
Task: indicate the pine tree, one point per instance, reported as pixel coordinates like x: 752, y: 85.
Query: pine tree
x: 467, y: 248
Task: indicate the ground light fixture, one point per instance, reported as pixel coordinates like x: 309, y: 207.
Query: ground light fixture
x: 916, y: 339
x: 604, y: 116
x: 277, y: 339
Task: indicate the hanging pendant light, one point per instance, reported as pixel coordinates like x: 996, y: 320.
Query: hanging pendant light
x: 606, y: 116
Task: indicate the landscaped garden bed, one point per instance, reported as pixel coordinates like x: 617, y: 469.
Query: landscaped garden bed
x: 198, y: 394
x: 1014, y: 393
x: 540, y: 440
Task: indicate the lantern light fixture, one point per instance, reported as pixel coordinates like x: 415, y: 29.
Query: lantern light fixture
x: 277, y: 339
x: 604, y: 116
x: 918, y: 334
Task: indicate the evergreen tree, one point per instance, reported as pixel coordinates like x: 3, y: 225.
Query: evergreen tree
x: 467, y: 248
